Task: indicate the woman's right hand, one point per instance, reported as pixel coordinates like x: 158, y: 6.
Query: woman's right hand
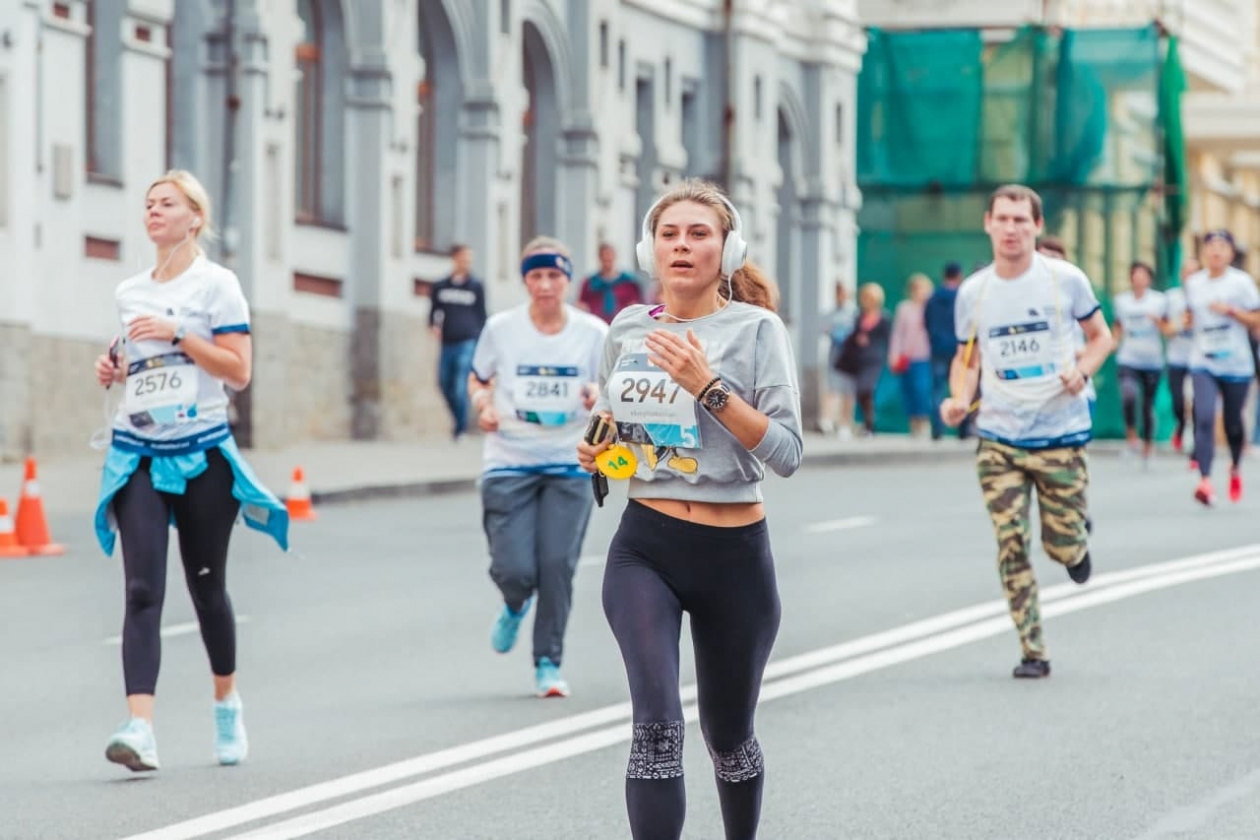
x: 588, y: 452
x: 107, y: 373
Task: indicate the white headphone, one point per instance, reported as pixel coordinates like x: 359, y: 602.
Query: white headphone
x: 734, y: 249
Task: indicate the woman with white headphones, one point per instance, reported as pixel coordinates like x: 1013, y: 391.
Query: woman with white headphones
x: 172, y: 460
x: 701, y: 392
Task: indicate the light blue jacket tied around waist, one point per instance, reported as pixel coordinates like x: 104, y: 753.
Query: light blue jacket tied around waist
x: 260, y: 509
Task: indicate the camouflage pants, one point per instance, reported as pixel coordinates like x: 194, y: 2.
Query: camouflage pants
x: 1007, y: 478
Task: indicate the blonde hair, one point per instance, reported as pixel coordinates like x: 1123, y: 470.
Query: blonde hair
x: 196, y: 196
x: 872, y: 292
x: 749, y: 284
x: 919, y: 281
x: 545, y: 245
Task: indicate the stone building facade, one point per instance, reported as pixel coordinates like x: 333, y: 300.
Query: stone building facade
x: 347, y: 144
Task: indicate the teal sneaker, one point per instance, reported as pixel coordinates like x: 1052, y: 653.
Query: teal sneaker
x: 547, y: 678
x: 506, y: 626
x: 230, y: 743
x: 134, y: 746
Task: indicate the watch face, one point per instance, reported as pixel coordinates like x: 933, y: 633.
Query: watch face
x: 716, y: 399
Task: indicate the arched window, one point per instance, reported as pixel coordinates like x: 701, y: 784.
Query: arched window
x: 308, y: 112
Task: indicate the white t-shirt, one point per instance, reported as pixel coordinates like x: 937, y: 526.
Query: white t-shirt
x: 1220, y: 346
x: 1141, y: 345
x: 539, y: 383
x: 1179, y: 345
x: 1024, y: 329
x: 169, y: 399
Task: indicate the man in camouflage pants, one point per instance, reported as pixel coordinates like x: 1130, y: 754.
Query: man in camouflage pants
x: 1016, y: 330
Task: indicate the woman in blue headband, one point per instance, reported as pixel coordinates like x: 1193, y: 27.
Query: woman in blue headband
x: 532, y: 388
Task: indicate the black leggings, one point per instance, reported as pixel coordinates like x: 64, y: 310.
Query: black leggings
x: 1131, y: 381
x: 1233, y: 395
x: 1177, y: 390
x: 658, y: 567
x: 204, y: 515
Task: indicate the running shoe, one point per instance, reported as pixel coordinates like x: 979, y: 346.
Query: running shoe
x: 1176, y: 442
x: 1204, y: 494
x: 547, y: 678
x: 1235, y: 485
x: 230, y: 743
x: 1081, y: 571
x: 1032, y: 669
x: 134, y: 746
x: 506, y: 626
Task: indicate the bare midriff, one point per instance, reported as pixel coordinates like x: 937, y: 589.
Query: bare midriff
x: 717, y: 514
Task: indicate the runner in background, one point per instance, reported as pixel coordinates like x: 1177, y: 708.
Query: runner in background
x: 532, y: 387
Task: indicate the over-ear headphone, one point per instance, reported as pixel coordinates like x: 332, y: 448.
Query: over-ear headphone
x: 734, y: 249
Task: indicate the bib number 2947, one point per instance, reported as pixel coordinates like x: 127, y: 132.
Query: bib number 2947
x: 643, y: 396
x: 162, y: 389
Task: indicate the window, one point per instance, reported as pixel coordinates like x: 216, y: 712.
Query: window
x: 4, y: 153
x: 168, y: 80
x: 505, y: 17
x: 308, y: 115
x: 757, y: 97
x: 669, y: 82
x: 840, y: 125
x: 603, y: 43
x: 103, y: 90
x: 621, y: 65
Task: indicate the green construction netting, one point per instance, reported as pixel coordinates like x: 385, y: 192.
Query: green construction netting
x: 946, y: 116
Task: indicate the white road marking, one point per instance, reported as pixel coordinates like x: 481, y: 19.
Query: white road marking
x: 840, y: 524
x: 173, y: 630
x: 783, y: 678
x: 1197, y: 815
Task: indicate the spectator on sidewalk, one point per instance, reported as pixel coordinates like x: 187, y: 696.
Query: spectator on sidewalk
x: 910, y: 354
x: 609, y: 290
x: 456, y: 316
x: 866, y: 349
x: 938, y: 317
x: 837, y: 413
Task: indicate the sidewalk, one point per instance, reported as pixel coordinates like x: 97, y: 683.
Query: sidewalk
x: 342, y: 471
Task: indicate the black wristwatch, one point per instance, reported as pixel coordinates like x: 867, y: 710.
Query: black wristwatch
x: 716, y: 397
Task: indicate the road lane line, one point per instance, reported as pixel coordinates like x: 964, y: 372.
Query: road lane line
x: 840, y: 525
x: 435, y: 786
x: 1196, y: 816
x: 427, y: 763
x: 173, y: 630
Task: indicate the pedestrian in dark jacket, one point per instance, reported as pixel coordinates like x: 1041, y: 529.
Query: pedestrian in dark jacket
x: 866, y: 349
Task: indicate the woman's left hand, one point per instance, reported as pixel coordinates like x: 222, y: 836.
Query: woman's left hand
x: 683, y: 359
x: 150, y: 328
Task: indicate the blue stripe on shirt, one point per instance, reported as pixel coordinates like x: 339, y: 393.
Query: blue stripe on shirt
x: 231, y: 328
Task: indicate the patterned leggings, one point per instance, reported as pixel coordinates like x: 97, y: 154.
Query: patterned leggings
x: 1007, y: 478
x: 658, y: 567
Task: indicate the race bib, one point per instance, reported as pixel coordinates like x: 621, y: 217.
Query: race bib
x: 649, y: 407
x: 1141, y: 327
x: 162, y: 389
x: 1022, y: 351
x: 549, y: 396
x: 1217, y: 341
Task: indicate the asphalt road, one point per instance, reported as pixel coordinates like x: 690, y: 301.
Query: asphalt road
x: 376, y: 708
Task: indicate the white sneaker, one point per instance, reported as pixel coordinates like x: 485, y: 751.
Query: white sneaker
x: 844, y: 433
x: 230, y: 743
x: 134, y: 746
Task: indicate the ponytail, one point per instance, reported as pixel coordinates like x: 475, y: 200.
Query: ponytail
x: 751, y: 285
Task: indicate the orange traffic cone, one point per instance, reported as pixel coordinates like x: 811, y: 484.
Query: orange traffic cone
x: 299, y: 498
x: 8, y: 537
x: 32, y: 527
